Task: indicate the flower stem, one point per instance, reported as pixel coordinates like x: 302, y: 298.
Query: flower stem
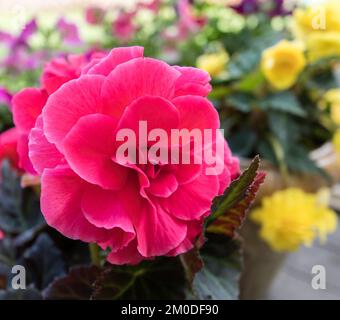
x: 279, y: 154
x: 94, y: 253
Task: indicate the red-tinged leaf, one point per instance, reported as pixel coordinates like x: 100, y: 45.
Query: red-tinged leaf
x: 229, y: 210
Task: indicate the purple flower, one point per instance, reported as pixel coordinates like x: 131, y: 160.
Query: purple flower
x: 14, y: 42
x: 246, y: 7
x: 278, y: 8
x: 19, y: 56
x: 23, y: 59
x: 270, y: 7
x: 69, y: 32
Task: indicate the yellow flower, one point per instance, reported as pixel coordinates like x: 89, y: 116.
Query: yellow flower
x: 319, y: 27
x: 323, y: 17
x: 282, y: 64
x: 322, y: 45
x: 213, y: 63
x: 332, y: 97
x: 291, y: 217
x: 336, y: 142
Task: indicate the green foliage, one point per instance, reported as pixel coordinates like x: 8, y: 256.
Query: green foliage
x: 219, y: 278
x: 19, y: 208
x: 43, y: 262
x: 78, y: 284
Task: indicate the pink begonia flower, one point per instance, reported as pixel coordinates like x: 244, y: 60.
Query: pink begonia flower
x: 138, y: 211
x: 8, y: 147
x: 2, y: 235
x: 123, y: 27
x: 95, y: 15
x: 28, y: 103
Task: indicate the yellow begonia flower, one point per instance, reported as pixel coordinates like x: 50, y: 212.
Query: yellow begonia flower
x: 213, y: 63
x: 319, y: 27
x: 314, y: 18
x: 282, y: 64
x: 291, y: 218
x: 336, y: 142
x: 323, y: 44
x: 333, y: 98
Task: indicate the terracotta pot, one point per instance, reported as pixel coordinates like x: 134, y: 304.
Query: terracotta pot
x: 261, y: 264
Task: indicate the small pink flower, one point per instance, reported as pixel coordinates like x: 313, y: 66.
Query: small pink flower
x: 2, y: 235
x: 138, y: 211
x: 95, y: 15
x: 188, y: 22
x: 123, y: 27
x: 8, y: 147
x: 152, y: 5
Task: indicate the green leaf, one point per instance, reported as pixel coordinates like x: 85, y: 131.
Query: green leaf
x: 240, y: 101
x: 222, y: 266
x: 320, y: 74
x: 229, y: 210
x: 251, y: 82
x: 243, y: 63
x: 163, y: 278
x: 242, y: 142
x: 78, y: 284
x: 7, y: 260
x: 283, y: 101
x: 298, y: 160
x: 43, y: 262
x: 19, y: 208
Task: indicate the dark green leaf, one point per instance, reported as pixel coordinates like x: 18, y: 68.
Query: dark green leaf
x: 243, y: 63
x: 320, y: 74
x: 43, y: 262
x: 220, y: 275
x: 298, y: 160
x: 160, y: 279
x: 7, y: 260
x: 242, y: 142
x: 284, y: 102
x: 19, y: 208
x: 240, y: 101
x: 78, y: 284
